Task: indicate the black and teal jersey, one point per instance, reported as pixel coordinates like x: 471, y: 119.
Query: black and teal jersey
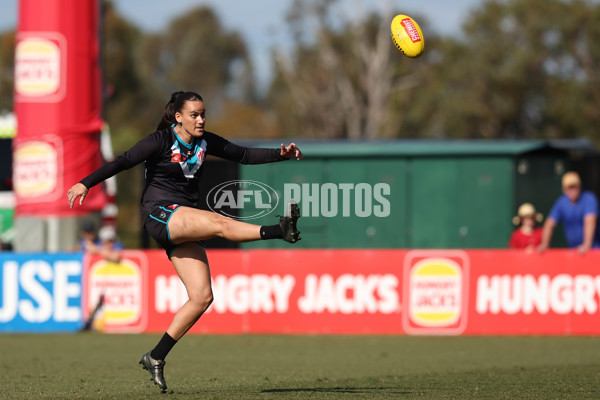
x: 174, y: 168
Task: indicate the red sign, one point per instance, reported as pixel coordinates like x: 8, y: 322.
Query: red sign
x: 411, y: 29
x: 435, y: 291
x: 40, y: 66
x: 273, y: 291
x: 120, y: 290
x: 446, y: 292
x: 557, y: 292
x: 36, y: 169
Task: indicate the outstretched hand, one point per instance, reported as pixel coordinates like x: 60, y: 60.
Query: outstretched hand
x: 291, y: 151
x: 77, y: 190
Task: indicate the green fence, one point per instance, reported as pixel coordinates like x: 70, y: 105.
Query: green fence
x: 448, y: 194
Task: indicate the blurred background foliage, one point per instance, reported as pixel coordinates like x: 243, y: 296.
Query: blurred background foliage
x: 519, y: 69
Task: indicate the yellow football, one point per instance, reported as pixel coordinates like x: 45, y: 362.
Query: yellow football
x: 407, y: 36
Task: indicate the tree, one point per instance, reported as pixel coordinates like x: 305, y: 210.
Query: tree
x: 7, y: 61
x: 126, y: 97
x: 342, y: 82
x: 197, y: 53
x: 520, y: 69
x: 525, y: 69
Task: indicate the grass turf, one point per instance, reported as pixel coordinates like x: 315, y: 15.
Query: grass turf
x: 93, y: 366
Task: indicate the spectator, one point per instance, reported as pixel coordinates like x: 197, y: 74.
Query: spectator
x: 527, y: 236
x: 110, y: 247
x: 577, y: 209
x: 106, y: 243
x: 87, y: 237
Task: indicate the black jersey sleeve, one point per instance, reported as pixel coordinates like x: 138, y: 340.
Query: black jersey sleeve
x: 142, y: 150
x: 223, y: 148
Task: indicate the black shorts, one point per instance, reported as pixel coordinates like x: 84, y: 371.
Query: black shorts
x: 156, y: 222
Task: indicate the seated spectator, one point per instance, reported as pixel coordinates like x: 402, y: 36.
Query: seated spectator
x: 526, y: 236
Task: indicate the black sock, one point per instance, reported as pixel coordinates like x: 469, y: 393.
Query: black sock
x: 271, y: 232
x: 163, y: 347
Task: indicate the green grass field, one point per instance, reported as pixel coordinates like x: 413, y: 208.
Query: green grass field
x: 94, y: 366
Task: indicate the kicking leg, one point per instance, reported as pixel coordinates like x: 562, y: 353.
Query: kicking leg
x: 190, y: 224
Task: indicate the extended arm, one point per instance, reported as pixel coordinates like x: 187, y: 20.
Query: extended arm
x: 223, y: 148
x: 547, y: 234
x: 589, y: 228
x: 142, y: 150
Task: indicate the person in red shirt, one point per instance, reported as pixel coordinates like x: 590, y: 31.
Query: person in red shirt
x: 527, y: 235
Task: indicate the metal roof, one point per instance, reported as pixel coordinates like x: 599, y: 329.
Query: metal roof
x: 422, y: 148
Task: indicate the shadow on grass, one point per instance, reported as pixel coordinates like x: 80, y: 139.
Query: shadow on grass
x: 361, y: 390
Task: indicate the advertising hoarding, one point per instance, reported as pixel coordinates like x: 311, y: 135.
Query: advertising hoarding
x: 40, y: 292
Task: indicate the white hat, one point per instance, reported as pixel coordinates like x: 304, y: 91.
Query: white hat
x: 107, y: 233
x: 527, y: 210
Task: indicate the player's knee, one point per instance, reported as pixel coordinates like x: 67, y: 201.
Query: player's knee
x: 222, y: 225
x: 202, y: 299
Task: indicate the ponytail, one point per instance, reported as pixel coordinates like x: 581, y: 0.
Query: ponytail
x: 174, y: 106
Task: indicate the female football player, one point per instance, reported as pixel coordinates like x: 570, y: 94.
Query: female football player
x: 173, y: 156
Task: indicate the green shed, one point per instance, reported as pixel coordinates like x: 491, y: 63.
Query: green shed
x: 411, y: 193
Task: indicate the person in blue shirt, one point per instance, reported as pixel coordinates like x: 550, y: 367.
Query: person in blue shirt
x: 577, y: 209
x: 105, y: 243
x: 110, y: 248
